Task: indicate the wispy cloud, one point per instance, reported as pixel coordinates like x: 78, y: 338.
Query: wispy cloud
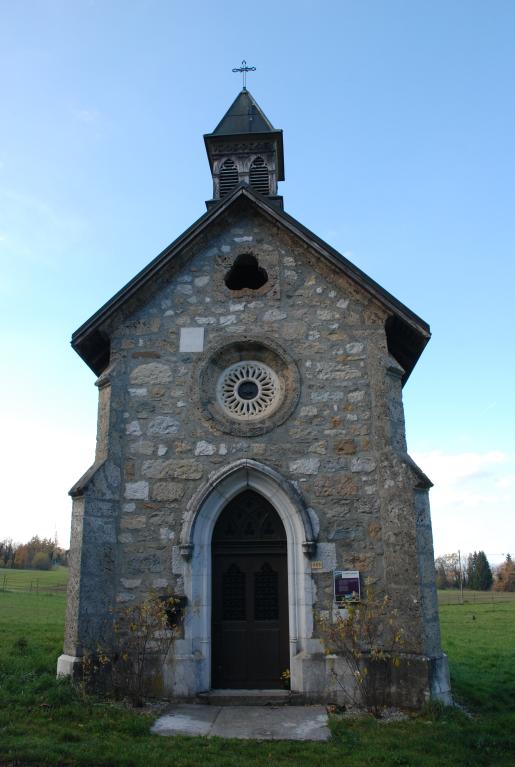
x: 452, y: 468
x: 505, y: 482
x: 473, y: 500
x: 34, y: 231
x: 88, y: 116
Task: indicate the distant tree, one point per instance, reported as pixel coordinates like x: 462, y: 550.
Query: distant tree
x: 471, y: 569
x: 472, y: 580
x: 37, y: 544
x: 41, y: 561
x: 448, y: 571
x: 505, y: 576
x: 21, y: 557
x: 479, y: 573
x: 61, y: 557
x: 441, y: 575
x: 7, y: 552
x: 486, y: 578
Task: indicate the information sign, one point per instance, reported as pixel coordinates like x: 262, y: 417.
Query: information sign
x: 346, y: 586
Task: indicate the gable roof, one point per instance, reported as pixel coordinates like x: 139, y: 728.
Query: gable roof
x: 407, y: 334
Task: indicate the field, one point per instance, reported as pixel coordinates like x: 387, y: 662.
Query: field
x: 45, y: 722
x: 34, y: 581
x: 454, y: 597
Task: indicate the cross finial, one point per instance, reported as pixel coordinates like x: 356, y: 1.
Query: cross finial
x: 244, y: 69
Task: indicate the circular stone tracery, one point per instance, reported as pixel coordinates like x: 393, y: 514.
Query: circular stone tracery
x: 248, y: 390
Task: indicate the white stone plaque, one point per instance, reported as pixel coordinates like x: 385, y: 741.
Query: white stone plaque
x: 191, y: 340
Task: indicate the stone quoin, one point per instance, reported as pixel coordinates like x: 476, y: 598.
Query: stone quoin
x: 251, y: 442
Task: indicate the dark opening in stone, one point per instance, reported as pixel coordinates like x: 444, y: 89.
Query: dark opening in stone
x: 246, y: 273
x: 247, y: 390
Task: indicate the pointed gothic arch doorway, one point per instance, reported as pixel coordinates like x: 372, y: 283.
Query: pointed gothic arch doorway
x: 250, y: 595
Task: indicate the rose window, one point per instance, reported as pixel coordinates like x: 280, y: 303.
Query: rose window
x: 248, y: 390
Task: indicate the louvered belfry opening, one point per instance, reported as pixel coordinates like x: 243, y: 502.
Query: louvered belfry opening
x: 228, y: 177
x: 259, y: 177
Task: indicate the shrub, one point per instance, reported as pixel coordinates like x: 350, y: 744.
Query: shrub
x: 367, y: 638
x: 132, y: 665
x: 42, y: 561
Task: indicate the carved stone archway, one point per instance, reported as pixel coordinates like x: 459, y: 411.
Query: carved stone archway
x: 192, y: 663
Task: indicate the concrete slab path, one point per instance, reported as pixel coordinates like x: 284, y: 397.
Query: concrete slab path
x: 246, y: 722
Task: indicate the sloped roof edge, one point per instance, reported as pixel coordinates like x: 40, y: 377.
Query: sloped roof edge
x: 406, y: 332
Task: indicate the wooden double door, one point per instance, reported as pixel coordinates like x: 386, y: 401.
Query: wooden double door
x: 250, y: 596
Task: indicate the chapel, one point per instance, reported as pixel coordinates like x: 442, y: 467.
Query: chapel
x: 251, y: 453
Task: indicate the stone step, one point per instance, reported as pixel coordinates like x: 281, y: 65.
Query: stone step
x: 250, y: 698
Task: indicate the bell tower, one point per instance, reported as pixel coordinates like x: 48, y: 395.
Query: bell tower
x: 245, y: 148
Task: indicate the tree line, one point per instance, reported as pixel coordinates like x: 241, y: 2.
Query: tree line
x: 474, y: 572
x: 36, y: 554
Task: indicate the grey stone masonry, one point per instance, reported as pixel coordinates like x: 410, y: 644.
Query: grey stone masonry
x: 337, y: 439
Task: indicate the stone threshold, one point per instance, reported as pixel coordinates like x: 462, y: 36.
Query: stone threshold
x: 237, y: 697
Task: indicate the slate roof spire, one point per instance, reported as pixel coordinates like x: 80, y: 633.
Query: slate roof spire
x: 245, y: 148
x: 243, y: 116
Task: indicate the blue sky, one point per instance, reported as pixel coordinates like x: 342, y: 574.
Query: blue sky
x: 398, y: 119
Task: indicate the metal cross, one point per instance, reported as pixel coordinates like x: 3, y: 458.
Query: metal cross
x: 244, y: 69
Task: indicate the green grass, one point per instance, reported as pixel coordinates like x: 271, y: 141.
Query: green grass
x: 45, y: 722
x: 453, y: 597
x: 480, y: 642
x: 41, y: 580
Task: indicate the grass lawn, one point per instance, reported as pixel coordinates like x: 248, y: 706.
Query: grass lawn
x: 40, y: 580
x: 453, y: 597
x: 45, y: 722
x: 480, y: 642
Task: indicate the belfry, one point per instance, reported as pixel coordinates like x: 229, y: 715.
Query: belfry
x: 251, y: 453
x: 245, y: 148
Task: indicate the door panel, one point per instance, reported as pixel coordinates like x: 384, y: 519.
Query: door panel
x: 232, y: 657
x: 250, y: 600
x: 250, y: 621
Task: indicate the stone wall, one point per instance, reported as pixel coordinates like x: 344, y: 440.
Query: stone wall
x: 340, y: 441
x: 328, y: 446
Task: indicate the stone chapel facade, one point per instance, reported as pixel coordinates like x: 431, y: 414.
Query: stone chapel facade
x: 251, y: 442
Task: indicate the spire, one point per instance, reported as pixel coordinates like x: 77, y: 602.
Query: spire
x: 243, y: 116
x: 245, y: 147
